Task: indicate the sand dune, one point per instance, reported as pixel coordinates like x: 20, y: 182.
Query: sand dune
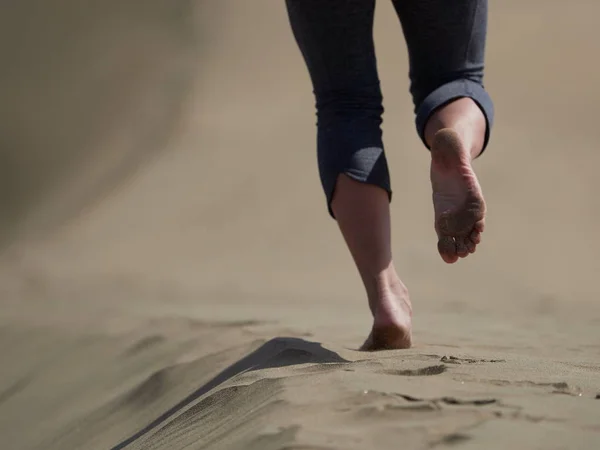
x: 170, y: 279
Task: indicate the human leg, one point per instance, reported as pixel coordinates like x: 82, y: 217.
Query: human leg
x: 335, y: 38
x: 454, y: 113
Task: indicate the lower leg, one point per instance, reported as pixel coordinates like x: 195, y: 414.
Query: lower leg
x: 455, y: 133
x: 363, y: 214
x: 336, y: 41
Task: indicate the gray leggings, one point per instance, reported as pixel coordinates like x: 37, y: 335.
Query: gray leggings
x: 446, y: 46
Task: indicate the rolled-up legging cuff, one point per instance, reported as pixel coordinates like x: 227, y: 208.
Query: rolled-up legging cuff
x: 366, y: 165
x: 452, y: 91
x: 331, y: 190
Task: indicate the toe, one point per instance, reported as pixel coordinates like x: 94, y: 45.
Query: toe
x: 475, y: 237
x: 447, y: 249
x: 461, y: 247
x: 471, y: 246
x: 479, y: 226
x: 449, y: 259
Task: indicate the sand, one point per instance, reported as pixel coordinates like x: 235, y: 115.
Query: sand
x: 170, y: 278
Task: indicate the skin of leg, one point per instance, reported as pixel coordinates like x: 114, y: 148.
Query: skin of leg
x: 363, y: 216
x: 335, y: 39
x: 446, y: 52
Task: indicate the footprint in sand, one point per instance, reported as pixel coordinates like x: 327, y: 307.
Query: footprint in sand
x: 455, y: 360
x: 450, y: 400
x: 422, y: 372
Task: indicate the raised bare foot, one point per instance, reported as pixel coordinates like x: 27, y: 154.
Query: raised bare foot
x: 392, y: 320
x: 457, y: 198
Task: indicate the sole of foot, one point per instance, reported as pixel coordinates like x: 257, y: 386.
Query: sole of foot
x: 459, y: 206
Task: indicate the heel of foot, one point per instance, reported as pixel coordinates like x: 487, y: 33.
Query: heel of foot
x: 447, y: 148
x: 445, y: 136
x: 388, y: 337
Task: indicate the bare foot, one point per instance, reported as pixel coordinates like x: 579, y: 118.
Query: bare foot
x: 457, y: 198
x: 392, y: 320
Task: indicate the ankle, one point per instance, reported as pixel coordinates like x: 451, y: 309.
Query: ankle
x: 384, y: 287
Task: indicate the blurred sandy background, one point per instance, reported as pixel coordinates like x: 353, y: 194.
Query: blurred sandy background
x: 170, y: 278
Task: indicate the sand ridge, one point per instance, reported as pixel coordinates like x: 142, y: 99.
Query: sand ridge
x: 181, y: 383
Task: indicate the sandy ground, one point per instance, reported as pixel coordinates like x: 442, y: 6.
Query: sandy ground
x: 170, y: 278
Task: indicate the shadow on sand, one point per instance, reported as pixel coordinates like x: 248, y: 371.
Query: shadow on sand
x: 278, y: 352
